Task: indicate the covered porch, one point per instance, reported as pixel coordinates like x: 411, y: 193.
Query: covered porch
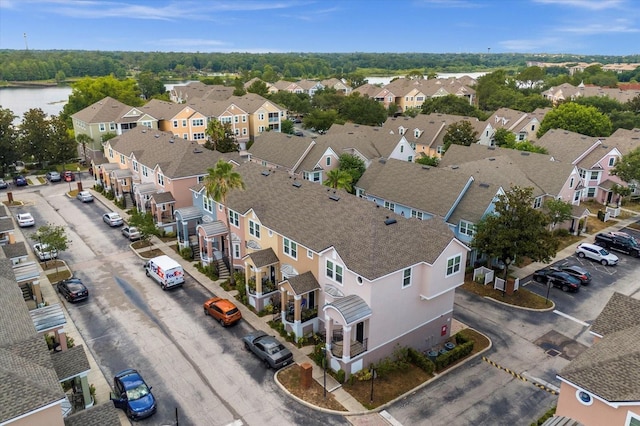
x: 187, y: 220
x: 162, y: 208
x: 72, y: 368
x: 121, y: 182
x: 262, y: 272
x: 347, y: 331
x: 142, y: 193
x: 579, y: 217
x: 212, y: 237
x: 299, y: 295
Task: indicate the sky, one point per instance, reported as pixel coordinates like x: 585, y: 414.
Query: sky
x: 587, y: 27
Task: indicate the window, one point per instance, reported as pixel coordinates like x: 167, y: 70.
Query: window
x: 406, y: 278
x: 576, y: 196
x: 184, y: 123
x: 389, y: 205
x: 261, y: 116
x: 309, y: 254
x: 334, y: 271
x: 244, y: 118
x: 144, y: 123
x: 175, y: 123
x: 591, y: 192
x: 401, y: 148
x: 121, y: 158
x: 185, y: 136
x: 467, y: 228
x: 207, y: 204
x: 225, y: 120
x: 328, y: 161
x: 612, y: 161
x: 237, y: 132
x: 453, y: 265
x: 236, y: 251
x: 197, y: 122
x: 244, y: 131
x: 198, y: 136
x: 102, y: 127
x: 236, y: 119
x: 594, y: 175
x: 234, y: 218
x: 110, y: 153
x: 584, y: 397
x: 583, y: 173
x: 135, y: 166
x: 290, y: 248
x: 254, y: 229
x: 260, y: 129
x: 440, y: 149
x: 416, y: 133
x: 160, y: 179
x: 416, y: 214
x: 571, y: 183
x: 537, y: 202
x: 145, y: 171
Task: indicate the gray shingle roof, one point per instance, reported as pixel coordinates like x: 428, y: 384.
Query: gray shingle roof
x: 177, y: 157
x: 620, y: 312
x: 566, y: 146
x: 99, y: 415
x: 303, y: 283
x: 280, y: 149
x: 355, y: 227
x: 262, y: 258
x: 163, y: 197
x: 17, y: 249
x: 6, y: 224
x: 107, y: 110
x: 70, y: 363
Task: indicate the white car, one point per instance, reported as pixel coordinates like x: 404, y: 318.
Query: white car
x: 44, y: 252
x: 25, y: 219
x: 597, y: 253
x: 112, y: 219
x: 131, y: 233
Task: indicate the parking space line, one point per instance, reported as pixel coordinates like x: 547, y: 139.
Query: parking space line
x: 567, y: 316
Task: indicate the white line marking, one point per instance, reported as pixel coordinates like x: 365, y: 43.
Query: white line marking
x: 562, y: 314
x: 236, y: 423
x: 388, y: 417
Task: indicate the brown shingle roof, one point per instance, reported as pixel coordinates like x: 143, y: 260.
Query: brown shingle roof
x: 620, y: 312
x: 303, y: 283
x: 357, y: 227
x: 279, y: 148
x: 264, y: 257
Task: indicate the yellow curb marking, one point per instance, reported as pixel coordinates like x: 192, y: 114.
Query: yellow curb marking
x: 518, y: 376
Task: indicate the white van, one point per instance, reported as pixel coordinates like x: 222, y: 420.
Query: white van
x: 166, y: 271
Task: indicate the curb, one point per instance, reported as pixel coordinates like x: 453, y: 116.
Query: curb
x: 524, y: 308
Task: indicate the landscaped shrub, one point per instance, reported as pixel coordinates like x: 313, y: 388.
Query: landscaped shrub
x: 562, y: 232
x: 318, y: 353
x: 545, y: 417
x: 186, y: 253
x: 419, y: 359
x: 461, y: 338
x: 340, y: 375
x: 460, y: 351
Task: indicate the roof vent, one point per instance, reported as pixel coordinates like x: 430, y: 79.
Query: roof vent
x: 382, y: 161
x: 171, y: 140
x: 157, y: 136
x: 334, y: 197
x: 425, y: 167
x: 524, y: 153
x: 484, y: 185
x: 144, y: 131
x: 491, y: 147
x: 491, y: 158
x: 265, y: 173
x: 455, y: 167
x: 297, y: 184
x: 197, y: 151
x: 389, y: 221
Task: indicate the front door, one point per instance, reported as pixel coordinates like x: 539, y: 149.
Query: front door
x: 360, y: 332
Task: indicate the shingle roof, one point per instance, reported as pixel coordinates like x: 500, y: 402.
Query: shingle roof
x: 434, y: 190
x: 163, y: 197
x: 99, y: 415
x: 178, y: 158
x: 264, y: 257
x: 619, y: 313
x: 70, y: 363
x: 611, y: 367
x: 17, y: 249
x: 106, y: 110
x: 6, y: 224
x: 163, y: 110
x: 303, y: 283
x: 566, y: 146
x: 367, y: 245
x: 281, y: 149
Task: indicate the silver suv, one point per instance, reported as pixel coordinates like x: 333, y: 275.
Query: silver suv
x: 597, y: 253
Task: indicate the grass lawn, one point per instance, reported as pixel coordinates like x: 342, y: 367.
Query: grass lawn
x: 56, y: 270
x: 523, y: 297
x: 385, y: 389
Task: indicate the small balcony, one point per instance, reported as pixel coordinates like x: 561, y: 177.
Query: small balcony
x: 307, y: 314
x: 268, y: 286
x: 357, y: 348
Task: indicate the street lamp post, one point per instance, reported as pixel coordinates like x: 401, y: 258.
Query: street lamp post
x: 548, y: 287
x: 324, y: 368
x: 373, y: 376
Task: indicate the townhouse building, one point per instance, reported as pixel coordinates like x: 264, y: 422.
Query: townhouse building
x: 568, y: 92
x: 198, y: 90
x: 600, y: 385
x: 594, y: 157
x: 183, y: 120
x: 523, y: 125
x: 154, y: 170
x: 316, y: 255
x: 108, y: 116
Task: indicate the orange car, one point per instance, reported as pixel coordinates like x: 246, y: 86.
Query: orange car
x: 224, y: 311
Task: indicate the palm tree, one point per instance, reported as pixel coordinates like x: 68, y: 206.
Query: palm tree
x: 217, y: 184
x: 339, y: 179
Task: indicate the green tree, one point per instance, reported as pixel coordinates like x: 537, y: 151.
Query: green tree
x: 320, y: 120
x: 327, y: 98
x: 586, y: 120
x: 504, y: 137
x: 35, y: 134
x: 450, y: 104
x: 287, y: 127
x: 628, y: 167
x: 622, y: 191
x: 558, y: 211
x: 353, y: 165
x: 9, y: 151
x: 216, y: 133
x: 218, y: 183
x: 83, y: 139
x: 362, y: 110
x: 259, y: 87
x: 428, y: 161
x: 54, y: 237
x: 530, y: 77
x: 415, y: 75
x: 144, y: 223
x: 151, y: 86
x: 460, y: 133
x: 339, y: 179
x: 514, y: 230
x: 228, y: 143
x: 63, y: 148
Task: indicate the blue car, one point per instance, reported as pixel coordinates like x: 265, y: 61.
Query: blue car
x: 20, y: 181
x: 131, y: 394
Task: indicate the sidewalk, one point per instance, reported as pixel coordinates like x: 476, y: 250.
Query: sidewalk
x: 570, y: 250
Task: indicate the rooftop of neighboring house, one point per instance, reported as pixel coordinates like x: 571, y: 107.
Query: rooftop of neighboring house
x: 567, y: 146
x: 569, y: 91
x: 514, y: 120
x: 624, y: 140
x: 431, y: 127
x: 286, y: 85
x: 390, y: 180
x: 198, y: 90
x: 308, y: 84
x: 370, y: 90
x: 163, y: 110
x: 610, y: 368
x: 543, y: 174
x: 281, y: 149
x: 107, y: 110
x: 355, y: 227
x: 252, y: 102
x: 178, y: 158
x: 28, y: 381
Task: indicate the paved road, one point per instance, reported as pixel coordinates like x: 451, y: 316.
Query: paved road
x: 198, y: 369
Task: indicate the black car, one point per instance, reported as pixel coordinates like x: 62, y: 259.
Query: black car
x: 619, y: 241
x: 577, y: 271
x: 72, y: 290
x: 557, y: 278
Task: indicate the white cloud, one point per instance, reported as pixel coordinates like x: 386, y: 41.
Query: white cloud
x: 585, y: 4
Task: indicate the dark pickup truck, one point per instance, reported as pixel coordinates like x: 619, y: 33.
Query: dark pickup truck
x: 619, y: 241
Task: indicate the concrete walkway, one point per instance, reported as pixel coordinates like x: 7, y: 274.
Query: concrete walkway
x: 570, y: 250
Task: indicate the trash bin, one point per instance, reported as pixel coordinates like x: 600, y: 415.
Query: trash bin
x: 432, y: 355
x: 448, y: 346
x: 443, y: 351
